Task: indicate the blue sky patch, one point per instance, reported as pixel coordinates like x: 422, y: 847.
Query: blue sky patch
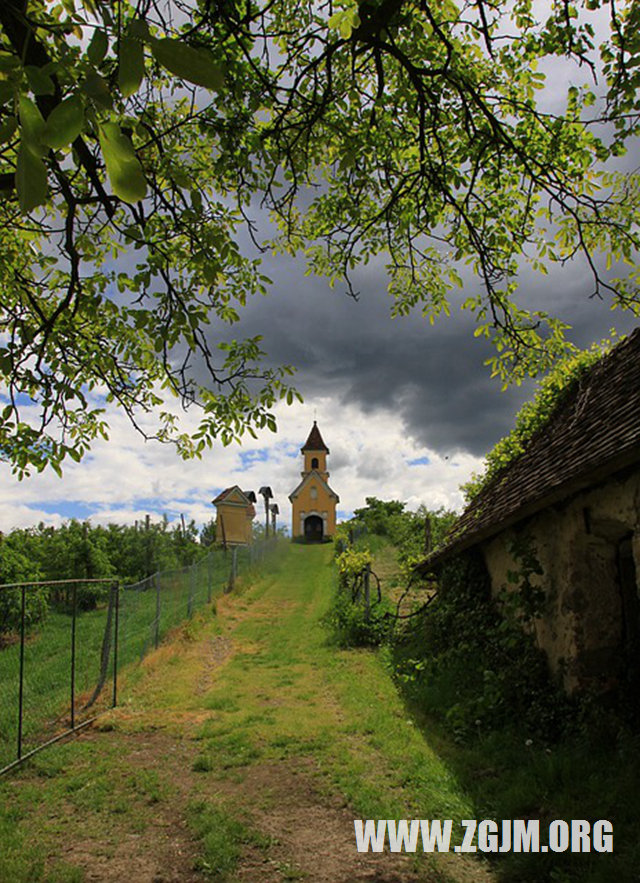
x: 421, y: 461
x: 66, y: 509
x: 248, y: 458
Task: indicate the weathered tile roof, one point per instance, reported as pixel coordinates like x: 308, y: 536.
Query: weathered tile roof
x: 594, y: 432
x: 314, y: 442
x: 227, y: 492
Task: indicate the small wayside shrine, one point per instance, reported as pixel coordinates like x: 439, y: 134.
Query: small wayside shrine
x: 235, y: 514
x: 313, y: 501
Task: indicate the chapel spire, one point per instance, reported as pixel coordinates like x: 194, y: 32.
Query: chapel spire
x: 314, y: 442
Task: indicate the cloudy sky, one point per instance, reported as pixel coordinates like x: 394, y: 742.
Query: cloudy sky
x: 408, y: 410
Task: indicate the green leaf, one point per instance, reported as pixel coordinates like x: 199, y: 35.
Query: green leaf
x: 6, y: 92
x: 130, y: 66
x: 31, y: 126
x: 123, y: 167
x: 97, y: 47
x: 194, y: 65
x: 39, y: 82
x: 8, y: 62
x: 97, y: 88
x: 64, y: 123
x: 31, y: 179
x: 138, y: 28
x: 7, y: 129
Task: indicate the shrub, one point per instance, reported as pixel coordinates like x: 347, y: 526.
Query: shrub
x: 350, y: 625
x: 16, y: 567
x: 351, y: 564
x: 469, y: 661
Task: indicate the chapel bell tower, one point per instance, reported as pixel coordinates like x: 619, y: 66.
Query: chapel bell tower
x: 313, y: 501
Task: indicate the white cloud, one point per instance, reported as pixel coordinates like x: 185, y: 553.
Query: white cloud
x: 124, y: 479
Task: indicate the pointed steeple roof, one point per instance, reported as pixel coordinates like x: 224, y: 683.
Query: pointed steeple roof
x: 315, y: 442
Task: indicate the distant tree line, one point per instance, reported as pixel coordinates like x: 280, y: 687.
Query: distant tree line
x: 78, y: 550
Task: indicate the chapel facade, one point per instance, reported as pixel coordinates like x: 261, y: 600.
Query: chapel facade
x: 313, y: 502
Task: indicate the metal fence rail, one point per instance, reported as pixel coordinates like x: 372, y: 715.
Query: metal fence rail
x: 58, y: 676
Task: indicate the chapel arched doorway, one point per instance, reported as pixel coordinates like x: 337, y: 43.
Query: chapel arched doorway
x: 313, y: 529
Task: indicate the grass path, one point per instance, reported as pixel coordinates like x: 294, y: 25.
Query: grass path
x: 242, y: 750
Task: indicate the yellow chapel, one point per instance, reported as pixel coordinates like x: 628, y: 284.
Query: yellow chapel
x: 313, y: 501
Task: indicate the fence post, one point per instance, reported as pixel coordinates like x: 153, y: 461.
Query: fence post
x: 116, y: 632
x: 367, y: 592
x: 157, y: 636
x: 74, y: 607
x: 21, y: 687
x: 234, y: 569
x: 191, y: 592
x: 209, y: 577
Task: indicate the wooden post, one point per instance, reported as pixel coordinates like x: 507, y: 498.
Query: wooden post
x: 157, y: 633
x: 267, y: 494
x: 147, y: 542
x: 367, y: 592
x: 224, y: 535
x: 427, y: 535
x: 192, y: 590
x: 234, y: 569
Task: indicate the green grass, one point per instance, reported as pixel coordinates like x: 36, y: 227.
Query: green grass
x: 93, y: 786
x: 578, y: 778
x: 339, y: 706
x: 47, y: 658
x: 287, y: 695
x: 223, y: 837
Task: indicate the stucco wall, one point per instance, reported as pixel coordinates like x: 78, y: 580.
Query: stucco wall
x: 323, y: 505
x: 582, y: 627
x: 321, y: 457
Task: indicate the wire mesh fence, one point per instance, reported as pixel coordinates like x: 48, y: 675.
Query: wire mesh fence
x: 59, y: 662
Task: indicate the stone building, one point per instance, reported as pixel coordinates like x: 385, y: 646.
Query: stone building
x: 574, y: 497
x: 235, y: 514
x: 313, y: 502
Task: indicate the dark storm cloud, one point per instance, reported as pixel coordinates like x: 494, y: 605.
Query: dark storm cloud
x: 432, y: 377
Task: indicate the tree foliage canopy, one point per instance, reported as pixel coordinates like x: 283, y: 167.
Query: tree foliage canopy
x: 136, y: 137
